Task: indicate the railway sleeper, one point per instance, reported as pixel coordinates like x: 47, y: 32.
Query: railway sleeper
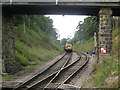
x: 52, y: 86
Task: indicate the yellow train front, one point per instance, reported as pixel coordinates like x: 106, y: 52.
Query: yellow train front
x: 68, y: 48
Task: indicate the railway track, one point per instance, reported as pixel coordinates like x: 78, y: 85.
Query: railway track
x: 77, y: 77
x: 62, y: 76
x: 50, y: 71
x: 65, y: 75
x: 58, y: 75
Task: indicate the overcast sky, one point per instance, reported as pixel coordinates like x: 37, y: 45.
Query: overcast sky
x: 66, y: 25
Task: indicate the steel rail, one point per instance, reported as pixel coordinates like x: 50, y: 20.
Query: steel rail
x: 61, y: 72
x: 33, y: 81
x: 48, y: 79
x: 38, y: 74
x: 73, y: 74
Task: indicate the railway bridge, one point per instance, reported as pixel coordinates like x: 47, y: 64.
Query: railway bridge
x: 104, y: 9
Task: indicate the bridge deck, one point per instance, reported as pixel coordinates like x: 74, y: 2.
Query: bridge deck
x: 60, y: 0
x: 64, y: 7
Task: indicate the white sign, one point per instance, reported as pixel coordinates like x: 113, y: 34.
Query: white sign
x: 103, y: 50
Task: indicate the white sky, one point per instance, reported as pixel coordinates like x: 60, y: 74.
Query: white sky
x: 66, y: 25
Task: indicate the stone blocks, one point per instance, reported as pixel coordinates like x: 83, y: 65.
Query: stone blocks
x: 105, y: 29
x: 105, y: 33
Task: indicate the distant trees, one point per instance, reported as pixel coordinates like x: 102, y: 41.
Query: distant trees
x: 45, y: 24
x: 33, y: 35
x: 86, y: 29
x: 63, y: 41
x: 37, y: 23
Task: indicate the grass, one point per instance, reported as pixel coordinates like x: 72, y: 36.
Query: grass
x: 84, y: 46
x: 116, y: 44
x: 32, y: 47
x: 105, y: 76
x: 6, y: 77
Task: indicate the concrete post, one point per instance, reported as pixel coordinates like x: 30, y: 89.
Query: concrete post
x: 105, y: 33
x: 95, y: 42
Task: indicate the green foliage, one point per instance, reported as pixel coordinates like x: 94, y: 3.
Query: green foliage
x: 105, y: 72
x: 116, y: 43
x: 6, y: 77
x: 106, y: 76
x: 22, y: 54
x: 44, y: 23
x: 86, y: 29
x: 63, y: 41
x: 81, y: 45
x: 18, y: 19
x: 35, y: 39
x: 21, y: 59
x: 36, y: 23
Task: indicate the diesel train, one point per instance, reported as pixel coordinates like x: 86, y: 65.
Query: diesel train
x: 68, y: 47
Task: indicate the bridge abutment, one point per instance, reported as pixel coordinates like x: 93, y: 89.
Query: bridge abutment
x: 1, y: 38
x: 8, y: 45
x: 105, y: 34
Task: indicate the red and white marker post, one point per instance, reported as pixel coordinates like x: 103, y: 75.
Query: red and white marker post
x: 103, y: 50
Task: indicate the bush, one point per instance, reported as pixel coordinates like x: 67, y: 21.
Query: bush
x: 21, y: 59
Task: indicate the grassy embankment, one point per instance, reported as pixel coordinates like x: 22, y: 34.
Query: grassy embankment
x: 107, y: 75
x: 33, y: 47
x: 84, y: 46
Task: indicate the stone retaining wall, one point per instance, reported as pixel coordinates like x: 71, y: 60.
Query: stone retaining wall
x: 8, y: 49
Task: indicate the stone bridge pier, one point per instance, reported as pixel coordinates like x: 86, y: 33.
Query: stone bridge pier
x: 0, y: 38
x: 7, y: 42
x: 105, y: 34
x: 9, y: 64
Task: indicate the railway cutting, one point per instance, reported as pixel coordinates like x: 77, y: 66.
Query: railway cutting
x: 61, y: 74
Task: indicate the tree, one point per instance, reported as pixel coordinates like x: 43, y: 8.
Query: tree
x: 63, y: 41
x: 86, y: 29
